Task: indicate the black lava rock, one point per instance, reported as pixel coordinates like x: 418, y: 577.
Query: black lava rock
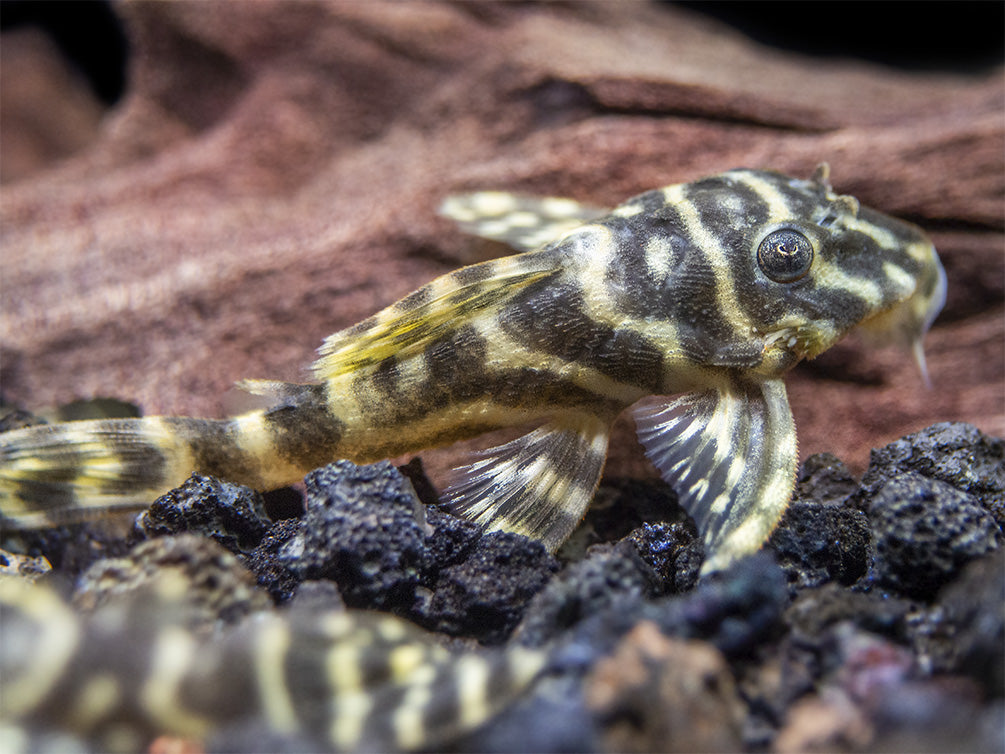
x: 816, y: 543
x: 673, y: 551
x: 734, y: 610
x: 623, y: 505
x: 815, y: 610
x: 232, y: 515
x: 279, y: 576
x: 824, y: 478
x: 976, y: 606
x: 953, y: 452
x: 924, y: 532
x: 485, y: 595
x: 218, y: 585
x: 365, y: 530
x: 608, y: 575
x: 73, y: 548
x: 449, y: 542
x: 970, y: 630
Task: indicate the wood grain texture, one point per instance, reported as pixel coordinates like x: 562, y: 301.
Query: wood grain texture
x: 272, y: 176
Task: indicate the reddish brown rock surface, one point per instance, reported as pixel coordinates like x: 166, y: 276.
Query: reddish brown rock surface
x: 46, y: 111
x: 273, y: 171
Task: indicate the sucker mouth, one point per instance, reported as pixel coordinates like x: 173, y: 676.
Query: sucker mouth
x: 786, y: 334
x: 799, y: 340
x: 783, y: 347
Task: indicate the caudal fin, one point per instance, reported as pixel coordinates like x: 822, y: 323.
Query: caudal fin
x: 59, y: 473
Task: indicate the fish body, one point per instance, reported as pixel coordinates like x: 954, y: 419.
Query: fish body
x: 136, y: 668
x: 709, y: 291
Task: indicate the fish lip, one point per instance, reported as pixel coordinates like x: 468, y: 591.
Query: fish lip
x: 783, y: 348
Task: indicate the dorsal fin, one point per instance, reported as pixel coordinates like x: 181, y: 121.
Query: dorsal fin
x: 443, y: 305
x: 274, y: 390
x: 522, y: 222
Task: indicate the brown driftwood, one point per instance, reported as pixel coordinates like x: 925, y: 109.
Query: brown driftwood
x: 274, y: 171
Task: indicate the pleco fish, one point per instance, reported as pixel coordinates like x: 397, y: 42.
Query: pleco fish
x: 135, y: 669
x: 710, y: 290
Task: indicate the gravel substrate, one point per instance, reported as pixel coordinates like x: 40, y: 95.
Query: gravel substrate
x: 874, y: 619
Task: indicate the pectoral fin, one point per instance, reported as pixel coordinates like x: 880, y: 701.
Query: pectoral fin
x: 538, y: 485
x: 730, y: 454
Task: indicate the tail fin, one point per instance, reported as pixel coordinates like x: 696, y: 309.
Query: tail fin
x: 60, y: 473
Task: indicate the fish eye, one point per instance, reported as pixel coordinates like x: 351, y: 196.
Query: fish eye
x: 785, y: 255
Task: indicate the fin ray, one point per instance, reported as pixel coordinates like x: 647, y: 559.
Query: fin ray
x: 401, y: 332
x: 59, y: 473
x: 538, y: 485
x: 730, y: 454
x: 524, y: 223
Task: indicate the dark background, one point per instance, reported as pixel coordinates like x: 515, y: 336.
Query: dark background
x: 955, y: 36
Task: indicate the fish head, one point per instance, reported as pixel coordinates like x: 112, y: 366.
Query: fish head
x: 817, y: 265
